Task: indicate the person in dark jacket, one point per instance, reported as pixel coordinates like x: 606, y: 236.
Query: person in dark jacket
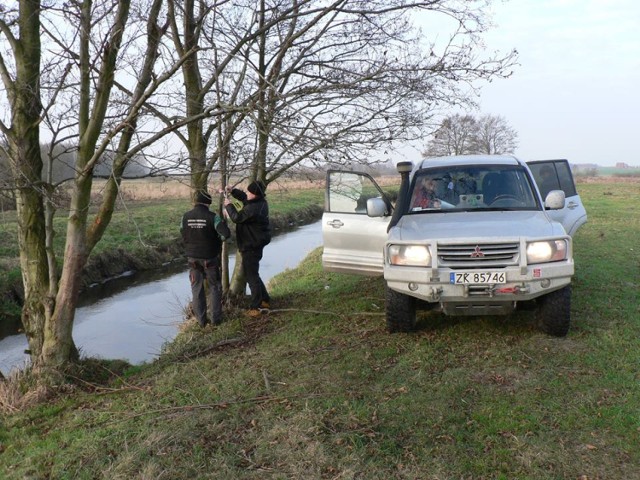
x: 253, y: 233
x: 203, y: 233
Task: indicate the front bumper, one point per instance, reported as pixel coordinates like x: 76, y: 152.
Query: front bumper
x: 522, y: 283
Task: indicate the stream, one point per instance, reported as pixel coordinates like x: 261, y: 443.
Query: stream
x: 133, y: 316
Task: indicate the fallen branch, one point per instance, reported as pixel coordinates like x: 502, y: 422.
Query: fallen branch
x: 325, y: 312
x: 267, y: 384
x: 221, y: 343
x: 218, y: 405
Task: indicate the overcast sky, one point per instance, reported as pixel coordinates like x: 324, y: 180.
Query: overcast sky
x: 576, y: 93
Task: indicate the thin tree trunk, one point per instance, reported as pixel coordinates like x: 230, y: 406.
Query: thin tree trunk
x: 238, y: 285
x: 58, y: 345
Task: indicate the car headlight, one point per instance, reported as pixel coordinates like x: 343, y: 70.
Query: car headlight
x: 412, y: 255
x: 547, y: 251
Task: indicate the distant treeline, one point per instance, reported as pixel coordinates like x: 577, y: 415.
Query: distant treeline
x: 61, y: 161
x: 597, y: 170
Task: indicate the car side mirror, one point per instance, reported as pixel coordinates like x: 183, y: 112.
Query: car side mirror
x: 376, y: 207
x: 555, y: 200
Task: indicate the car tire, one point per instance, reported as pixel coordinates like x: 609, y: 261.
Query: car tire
x: 401, y: 312
x: 553, y: 313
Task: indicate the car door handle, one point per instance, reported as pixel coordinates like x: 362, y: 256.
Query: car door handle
x: 335, y: 223
x: 572, y: 205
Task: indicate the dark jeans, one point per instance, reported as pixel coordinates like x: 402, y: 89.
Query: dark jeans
x: 251, y: 268
x: 199, y: 270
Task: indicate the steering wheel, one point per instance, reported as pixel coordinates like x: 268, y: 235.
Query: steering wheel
x: 505, y: 197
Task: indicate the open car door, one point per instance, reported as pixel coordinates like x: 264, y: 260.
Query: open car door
x: 353, y: 239
x: 556, y: 175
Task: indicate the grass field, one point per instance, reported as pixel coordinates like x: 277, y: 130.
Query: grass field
x: 619, y: 172
x: 318, y: 389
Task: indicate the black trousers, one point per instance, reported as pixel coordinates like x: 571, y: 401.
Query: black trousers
x: 199, y: 270
x: 251, y: 268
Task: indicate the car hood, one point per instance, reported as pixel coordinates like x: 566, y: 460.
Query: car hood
x: 472, y: 226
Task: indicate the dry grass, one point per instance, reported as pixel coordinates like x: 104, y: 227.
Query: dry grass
x: 178, y: 187
x: 607, y: 179
x: 14, y: 398
x: 172, y: 188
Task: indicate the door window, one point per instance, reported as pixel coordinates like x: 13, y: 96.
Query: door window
x: 348, y: 192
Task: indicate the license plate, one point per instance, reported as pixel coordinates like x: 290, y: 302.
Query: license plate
x: 477, y: 278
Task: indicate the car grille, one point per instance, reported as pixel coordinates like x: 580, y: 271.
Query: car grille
x: 478, y: 255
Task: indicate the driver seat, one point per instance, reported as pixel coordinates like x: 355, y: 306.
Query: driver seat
x: 492, y: 186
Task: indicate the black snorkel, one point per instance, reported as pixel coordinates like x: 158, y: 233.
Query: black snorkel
x: 404, y: 169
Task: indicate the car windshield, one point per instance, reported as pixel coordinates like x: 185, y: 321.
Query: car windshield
x: 463, y: 188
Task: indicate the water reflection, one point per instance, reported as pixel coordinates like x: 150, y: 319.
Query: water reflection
x: 132, y: 317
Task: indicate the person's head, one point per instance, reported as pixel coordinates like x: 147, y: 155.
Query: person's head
x: 546, y: 172
x: 428, y: 183
x: 257, y: 189
x: 203, y: 198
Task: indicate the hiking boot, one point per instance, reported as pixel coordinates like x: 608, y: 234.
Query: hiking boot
x: 253, y: 312
x: 264, y: 305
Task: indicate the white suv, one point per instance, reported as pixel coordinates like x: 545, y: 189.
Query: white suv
x: 469, y: 235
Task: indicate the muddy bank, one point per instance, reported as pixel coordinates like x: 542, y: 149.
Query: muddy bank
x: 115, y: 263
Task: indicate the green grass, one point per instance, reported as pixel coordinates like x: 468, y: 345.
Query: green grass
x: 619, y: 172
x: 319, y: 390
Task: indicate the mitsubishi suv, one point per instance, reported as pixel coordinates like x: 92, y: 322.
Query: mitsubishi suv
x: 467, y: 235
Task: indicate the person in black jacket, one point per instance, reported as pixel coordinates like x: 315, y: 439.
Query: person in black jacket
x: 203, y: 233
x: 253, y: 233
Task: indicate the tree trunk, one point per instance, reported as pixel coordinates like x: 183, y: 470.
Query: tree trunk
x: 26, y: 165
x: 38, y: 304
x: 58, y: 345
x: 238, y: 285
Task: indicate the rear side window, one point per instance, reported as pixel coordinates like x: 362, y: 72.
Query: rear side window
x: 566, y: 179
x: 553, y: 175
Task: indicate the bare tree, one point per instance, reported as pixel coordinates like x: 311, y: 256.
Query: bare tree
x: 494, y: 135
x: 84, y: 79
x: 465, y: 134
x: 455, y: 136
x: 340, y: 82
